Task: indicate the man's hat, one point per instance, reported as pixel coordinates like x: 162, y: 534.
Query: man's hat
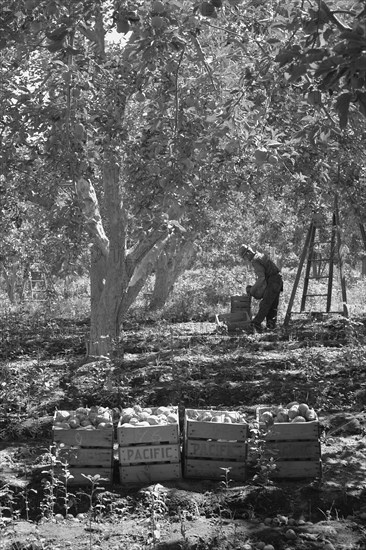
x: 244, y: 249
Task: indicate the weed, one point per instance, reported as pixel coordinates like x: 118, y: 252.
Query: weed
x: 25, y: 495
x: 156, y: 508
x: 6, y: 498
x: 328, y: 513
x: 94, y: 509
x: 265, y: 465
x: 67, y: 497
x: 49, y: 486
x: 226, y: 481
x: 59, y: 476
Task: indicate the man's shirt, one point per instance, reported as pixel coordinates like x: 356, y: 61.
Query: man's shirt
x: 263, y: 269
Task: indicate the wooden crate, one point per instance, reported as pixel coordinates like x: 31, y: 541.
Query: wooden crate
x: 239, y: 303
x: 211, y: 446
x: 295, y: 448
x: 88, y: 451
x: 240, y: 319
x: 150, y: 453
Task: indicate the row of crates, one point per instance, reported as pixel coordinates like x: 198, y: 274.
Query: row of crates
x: 207, y: 448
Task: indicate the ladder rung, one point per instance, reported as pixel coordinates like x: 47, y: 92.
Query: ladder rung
x: 320, y: 277
x: 316, y: 312
x: 307, y: 295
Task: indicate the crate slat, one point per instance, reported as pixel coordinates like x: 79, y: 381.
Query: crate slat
x: 149, y: 453
x: 293, y: 449
x: 153, y: 434
x: 297, y: 469
x: 195, y: 429
x: 241, y: 315
x: 77, y: 456
x: 83, y: 438
x: 288, y: 430
x: 231, y: 450
x: 240, y: 302
x: 211, y: 469
x: 239, y: 307
x: 305, y: 431
x: 149, y: 473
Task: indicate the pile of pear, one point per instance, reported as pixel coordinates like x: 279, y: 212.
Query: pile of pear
x: 293, y: 412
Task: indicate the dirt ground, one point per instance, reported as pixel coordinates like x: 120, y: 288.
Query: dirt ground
x: 191, y: 365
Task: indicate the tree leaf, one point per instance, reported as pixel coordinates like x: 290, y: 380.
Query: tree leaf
x: 55, y: 46
x: 58, y: 34
x: 287, y: 55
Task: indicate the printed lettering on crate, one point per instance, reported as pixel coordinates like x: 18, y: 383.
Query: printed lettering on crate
x: 149, y: 444
x: 215, y: 441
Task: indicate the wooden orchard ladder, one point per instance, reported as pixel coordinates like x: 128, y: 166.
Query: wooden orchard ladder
x: 313, y: 267
x: 37, y: 286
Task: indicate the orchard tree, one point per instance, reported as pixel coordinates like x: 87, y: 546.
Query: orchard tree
x: 68, y: 115
x: 62, y: 129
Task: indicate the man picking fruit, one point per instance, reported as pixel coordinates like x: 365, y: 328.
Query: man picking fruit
x: 267, y: 288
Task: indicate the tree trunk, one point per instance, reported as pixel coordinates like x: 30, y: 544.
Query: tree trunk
x: 116, y: 274
x: 107, y: 272
x: 173, y: 261
x: 97, y: 322
x: 11, y: 278
x: 363, y: 267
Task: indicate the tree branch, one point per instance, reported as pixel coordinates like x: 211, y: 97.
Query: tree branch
x: 95, y: 35
x: 90, y: 207
x: 323, y: 6
x: 201, y: 56
x: 176, y: 93
x: 143, y: 246
x: 146, y: 264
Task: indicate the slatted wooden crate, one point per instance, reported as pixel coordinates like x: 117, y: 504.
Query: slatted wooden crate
x: 149, y: 453
x: 239, y: 303
x: 211, y: 446
x: 85, y: 451
x: 239, y: 319
x: 294, y: 447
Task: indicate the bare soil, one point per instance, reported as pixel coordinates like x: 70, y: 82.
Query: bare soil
x: 191, y: 365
